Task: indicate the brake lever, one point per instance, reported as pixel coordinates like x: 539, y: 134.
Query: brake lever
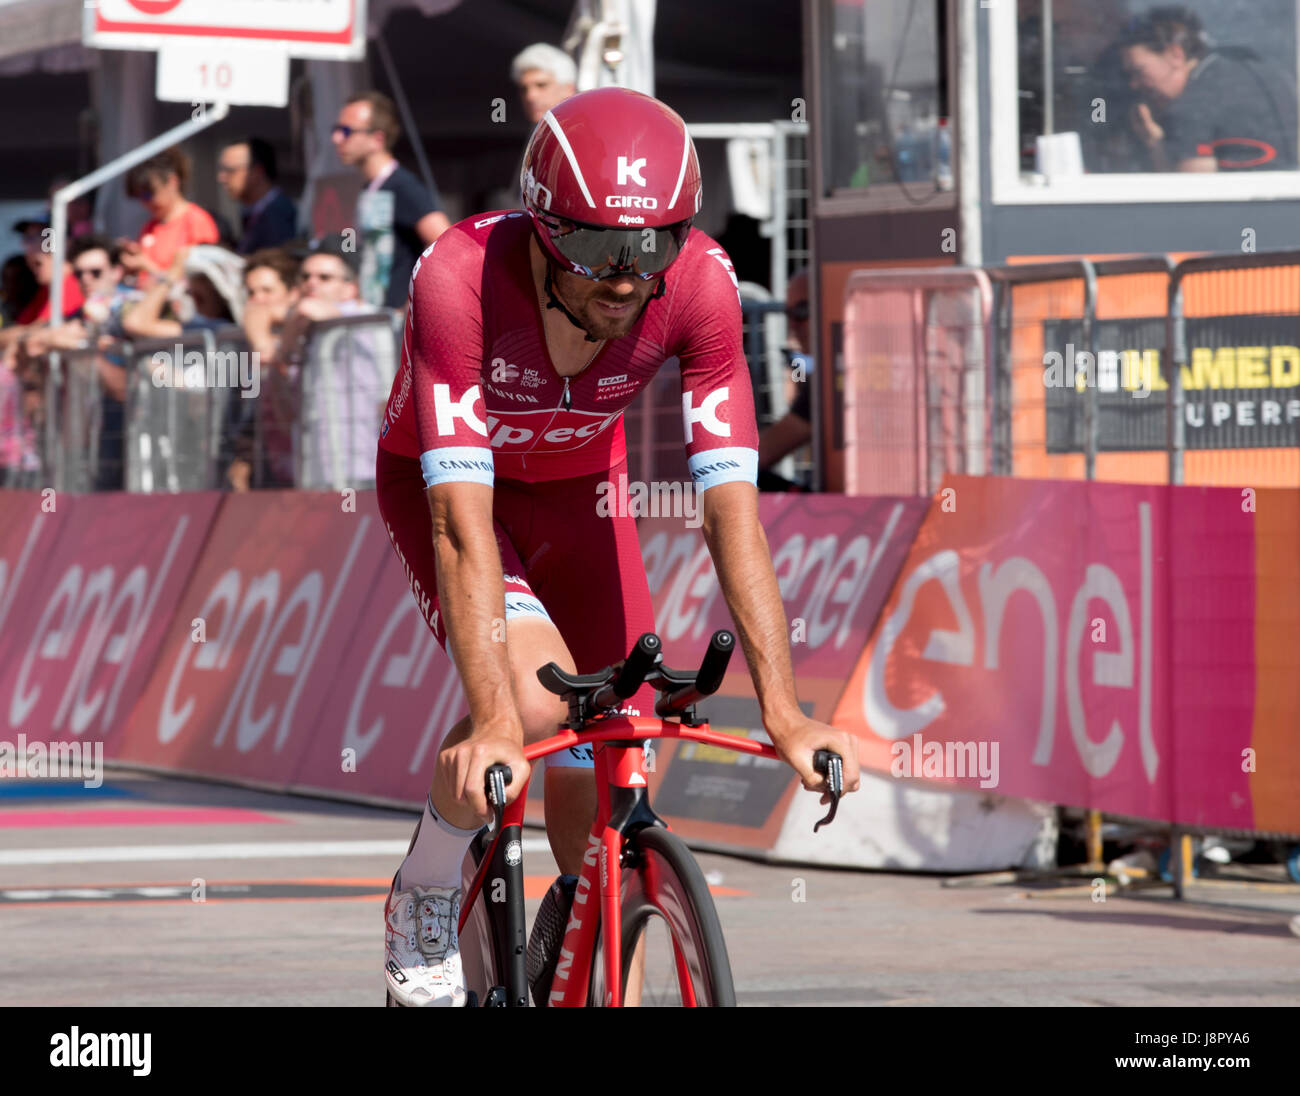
x: 494, y: 786
x: 831, y: 766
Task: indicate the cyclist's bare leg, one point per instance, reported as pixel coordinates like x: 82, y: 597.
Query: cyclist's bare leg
x: 570, y: 794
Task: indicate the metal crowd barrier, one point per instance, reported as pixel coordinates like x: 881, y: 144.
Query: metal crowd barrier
x: 1129, y: 370
x: 195, y: 404
x: 343, y: 385
x: 916, y: 399
x: 181, y: 394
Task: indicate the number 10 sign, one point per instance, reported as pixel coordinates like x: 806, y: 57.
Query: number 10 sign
x: 222, y: 71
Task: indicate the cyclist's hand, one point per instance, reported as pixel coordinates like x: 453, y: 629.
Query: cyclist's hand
x: 462, y: 769
x: 798, y: 744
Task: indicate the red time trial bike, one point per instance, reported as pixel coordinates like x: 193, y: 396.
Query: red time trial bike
x: 641, y: 895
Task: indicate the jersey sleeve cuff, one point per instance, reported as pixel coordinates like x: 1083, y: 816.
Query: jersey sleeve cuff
x: 457, y: 464
x: 715, y: 466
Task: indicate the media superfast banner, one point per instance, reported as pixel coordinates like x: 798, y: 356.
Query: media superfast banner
x: 1241, y: 383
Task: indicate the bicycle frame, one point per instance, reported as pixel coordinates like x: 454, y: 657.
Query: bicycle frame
x: 622, y: 808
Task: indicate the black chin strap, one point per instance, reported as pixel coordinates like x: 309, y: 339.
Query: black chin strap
x: 552, y: 301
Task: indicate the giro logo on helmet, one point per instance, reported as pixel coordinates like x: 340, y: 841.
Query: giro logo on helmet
x: 630, y: 201
x: 535, y: 192
x: 631, y: 171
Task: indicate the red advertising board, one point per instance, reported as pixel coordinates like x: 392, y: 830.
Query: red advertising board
x: 87, y: 588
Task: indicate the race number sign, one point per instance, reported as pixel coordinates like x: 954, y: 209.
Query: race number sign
x: 330, y: 29
x: 218, y: 70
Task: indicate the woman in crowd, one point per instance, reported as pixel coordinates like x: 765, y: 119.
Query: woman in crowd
x: 175, y: 222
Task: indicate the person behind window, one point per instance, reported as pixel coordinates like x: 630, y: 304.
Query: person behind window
x: 1204, y: 107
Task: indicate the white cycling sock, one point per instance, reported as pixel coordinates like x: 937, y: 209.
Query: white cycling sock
x: 436, y: 856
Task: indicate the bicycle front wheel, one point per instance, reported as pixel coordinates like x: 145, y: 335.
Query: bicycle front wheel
x: 668, y: 915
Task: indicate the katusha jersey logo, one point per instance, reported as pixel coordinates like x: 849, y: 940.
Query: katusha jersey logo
x: 447, y: 410
x: 630, y: 171
x: 706, y: 414
x: 503, y: 372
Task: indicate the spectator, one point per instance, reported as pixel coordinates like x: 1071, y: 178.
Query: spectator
x: 1203, y: 107
x: 81, y: 211
x: 794, y: 429
x: 41, y: 264
x: 340, y: 418
x: 97, y: 266
x: 545, y: 76
x: 270, y: 278
x: 246, y: 171
x: 364, y: 136
x: 17, y: 288
x: 176, y: 223
x: 211, y: 297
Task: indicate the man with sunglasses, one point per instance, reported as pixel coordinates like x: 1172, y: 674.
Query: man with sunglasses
x: 528, y: 335
x: 364, y: 137
x: 346, y: 394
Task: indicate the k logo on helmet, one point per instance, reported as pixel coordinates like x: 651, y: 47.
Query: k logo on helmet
x: 631, y: 171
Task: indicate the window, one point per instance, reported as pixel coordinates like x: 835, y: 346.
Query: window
x: 886, y: 97
x: 1109, y: 92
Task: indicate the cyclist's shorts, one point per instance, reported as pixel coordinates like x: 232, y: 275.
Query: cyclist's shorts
x: 562, y: 562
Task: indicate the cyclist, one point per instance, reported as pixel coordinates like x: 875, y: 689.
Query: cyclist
x: 529, y: 333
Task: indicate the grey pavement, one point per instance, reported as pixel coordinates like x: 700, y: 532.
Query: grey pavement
x: 313, y: 933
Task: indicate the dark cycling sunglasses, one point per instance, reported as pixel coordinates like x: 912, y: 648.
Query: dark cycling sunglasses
x: 599, y: 253
x: 347, y: 131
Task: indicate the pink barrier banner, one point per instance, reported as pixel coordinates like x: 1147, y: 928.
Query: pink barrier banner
x: 261, y: 637
x: 835, y: 560
x: 88, y: 584
x: 1060, y: 633
x: 298, y: 657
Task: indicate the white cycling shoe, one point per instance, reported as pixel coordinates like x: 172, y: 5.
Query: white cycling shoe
x: 422, y: 948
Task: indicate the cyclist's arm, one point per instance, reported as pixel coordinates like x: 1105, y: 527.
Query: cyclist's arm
x: 743, y: 562
x: 443, y: 349
x: 471, y: 598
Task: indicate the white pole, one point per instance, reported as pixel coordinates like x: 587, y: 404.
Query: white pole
x: 968, y: 135
x: 112, y: 169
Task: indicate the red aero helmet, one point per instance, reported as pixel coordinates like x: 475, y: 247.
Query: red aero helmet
x: 612, y: 183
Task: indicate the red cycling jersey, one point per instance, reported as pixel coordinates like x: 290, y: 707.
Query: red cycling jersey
x: 477, y: 397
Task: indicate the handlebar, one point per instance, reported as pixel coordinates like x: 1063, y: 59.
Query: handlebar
x: 594, y: 695
x: 707, y: 681
x: 645, y: 657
